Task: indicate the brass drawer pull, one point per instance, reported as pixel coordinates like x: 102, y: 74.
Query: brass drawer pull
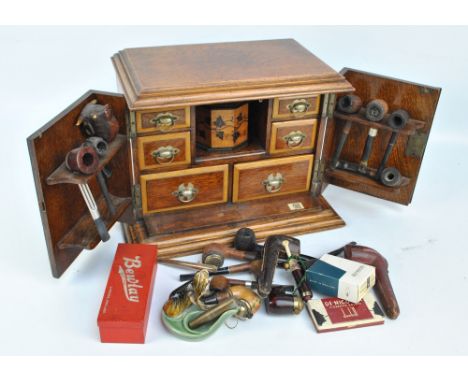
x: 165, y: 121
x: 185, y: 193
x: 165, y: 154
x: 273, y: 182
x: 294, y: 138
x: 299, y: 106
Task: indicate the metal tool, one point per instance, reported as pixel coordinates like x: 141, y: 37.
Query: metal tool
x: 94, y: 211
x: 101, y: 178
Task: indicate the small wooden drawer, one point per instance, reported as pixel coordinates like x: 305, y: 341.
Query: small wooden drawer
x: 267, y: 178
x: 162, y: 120
x: 184, y: 188
x: 295, y: 107
x: 290, y: 136
x: 165, y: 150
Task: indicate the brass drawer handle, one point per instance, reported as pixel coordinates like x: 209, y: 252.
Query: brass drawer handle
x: 299, y: 106
x: 295, y: 138
x: 165, y: 121
x: 273, y: 182
x: 165, y: 154
x: 185, y: 193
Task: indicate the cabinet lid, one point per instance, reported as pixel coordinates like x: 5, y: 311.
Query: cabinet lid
x: 222, y: 72
x: 404, y: 159
x: 68, y: 226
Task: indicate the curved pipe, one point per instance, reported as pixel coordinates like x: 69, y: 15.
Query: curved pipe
x: 240, y: 292
x: 227, y: 251
x: 383, y: 285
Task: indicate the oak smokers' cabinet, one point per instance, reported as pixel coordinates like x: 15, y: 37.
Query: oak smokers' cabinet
x: 178, y: 194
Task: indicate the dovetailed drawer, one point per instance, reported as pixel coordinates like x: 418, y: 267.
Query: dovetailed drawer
x: 162, y: 120
x: 291, y: 136
x: 184, y: 188
x: 295, y: 107
x: 164, y: 150
x: 268, y: 178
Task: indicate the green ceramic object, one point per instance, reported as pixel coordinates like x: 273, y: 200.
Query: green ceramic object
x: 179, y: 325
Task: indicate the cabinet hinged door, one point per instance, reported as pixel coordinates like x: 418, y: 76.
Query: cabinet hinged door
x: 68, y: 225
x: 380, y: 158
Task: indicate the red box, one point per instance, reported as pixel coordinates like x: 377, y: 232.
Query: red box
x: 126, y: 304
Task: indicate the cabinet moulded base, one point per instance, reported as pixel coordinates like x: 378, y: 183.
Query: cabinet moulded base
x: 182, y: 233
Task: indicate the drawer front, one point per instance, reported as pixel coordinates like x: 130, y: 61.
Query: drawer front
x: 184, y: 188
x: 292, y: 136
x: 165, y: 150
x: 162, y: 120
x: 271, y: 177
x: 295, y: 107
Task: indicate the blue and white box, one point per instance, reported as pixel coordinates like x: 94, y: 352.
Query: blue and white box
x: 337, y: 277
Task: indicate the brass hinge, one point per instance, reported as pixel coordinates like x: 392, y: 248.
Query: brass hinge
x: 132, y: 126
x: 416, y: 145
x: 136, y: 196
x: 331, y: 105
x: 317, y: 176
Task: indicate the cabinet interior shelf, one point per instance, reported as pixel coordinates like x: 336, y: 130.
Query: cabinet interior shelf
x: 84, y: 234
x: 359, y: 120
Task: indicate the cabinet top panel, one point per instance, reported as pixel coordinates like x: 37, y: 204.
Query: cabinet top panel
x: 210, y: 73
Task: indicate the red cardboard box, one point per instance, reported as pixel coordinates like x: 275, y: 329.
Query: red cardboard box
x: 126, y: 304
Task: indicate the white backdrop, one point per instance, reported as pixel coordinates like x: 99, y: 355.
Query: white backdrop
x: 43, y: 70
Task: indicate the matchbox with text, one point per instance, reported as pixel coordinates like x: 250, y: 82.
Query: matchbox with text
x: 126, y: 304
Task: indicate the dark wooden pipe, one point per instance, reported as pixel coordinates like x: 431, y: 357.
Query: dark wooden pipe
x: 383, y: 285
x: 227, y: 251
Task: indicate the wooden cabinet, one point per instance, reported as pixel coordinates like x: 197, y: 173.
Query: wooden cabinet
x: 270, y: 173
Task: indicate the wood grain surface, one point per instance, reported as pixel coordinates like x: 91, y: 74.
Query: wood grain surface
x: 147, y: 145
x: 249, y: 178
x: 419, y: 100
x: 211, y: 184
x: 222, y: 72
x: 280, y: 131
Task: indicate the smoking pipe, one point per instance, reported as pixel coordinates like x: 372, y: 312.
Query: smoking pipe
x: 213, y: 313
x: 220, y: 283
x: 227, y: 251
x: 283, y: 303
x: 383, y: 285
x: 251, y: 299
x: 252, y: 266
x: 245, y: 240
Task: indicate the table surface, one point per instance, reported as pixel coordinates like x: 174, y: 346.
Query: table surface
x: 44, y: 70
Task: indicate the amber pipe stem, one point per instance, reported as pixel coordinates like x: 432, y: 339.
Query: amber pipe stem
x: 188, y: 264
